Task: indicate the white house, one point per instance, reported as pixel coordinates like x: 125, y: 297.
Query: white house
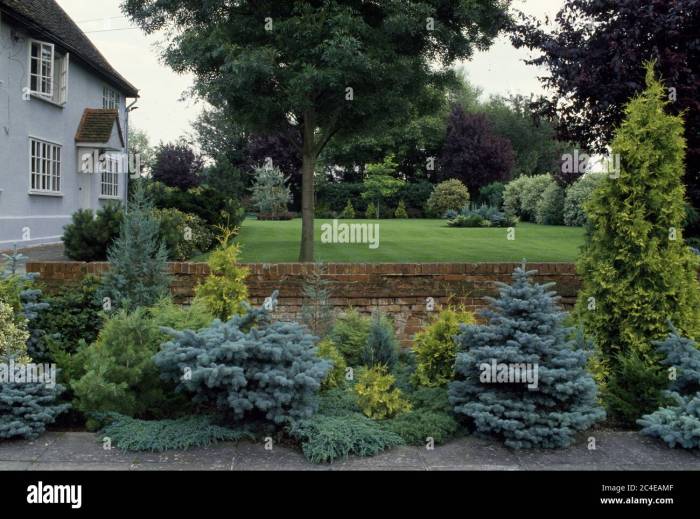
x: 61, y: 106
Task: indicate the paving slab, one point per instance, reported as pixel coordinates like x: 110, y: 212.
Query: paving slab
x: 615, y: 450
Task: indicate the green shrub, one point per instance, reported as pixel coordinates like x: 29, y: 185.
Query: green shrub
x: 377, y: 396
x: 636, y: 270
x: 118, y: 371
x: 633, y: 388
x: 75, y: 314
x: 335, y: 196
x: 336, y: 376
x: 184, y: 235
x: 349, y: 334
x: 577, y: 194
x: 328, y: 438
x: 401, y: 210
x: 316, y: 307
x: 473, y: 220
x: 418, y: 426
x: 213, y: 205
x: 224, y: 291
x: 131, y: 434
x: 550, y: 208
x: 249, y: 366
x: 435, y: 399
x: 381, y: 347
x: 492, y: 194
x: 415, y: 195
x: 371, y: 212
x: 522, y: 196
x: 435, y: 348
x: 338, y: 402
x: 138, y: 270
x: 89, y: 235
x: 348, y: 212
x: 448, y: 195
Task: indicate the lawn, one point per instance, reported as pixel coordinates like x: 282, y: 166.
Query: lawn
x: 409, y: 241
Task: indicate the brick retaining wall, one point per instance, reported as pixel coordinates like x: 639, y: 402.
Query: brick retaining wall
x: 398, y: 289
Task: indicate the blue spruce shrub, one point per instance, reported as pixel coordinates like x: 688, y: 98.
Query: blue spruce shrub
x: 381, y: 347
x: 27, y: 408
x: 524, y: 327
x: 138, y: 269
x: 250, y: 366
x: 678, y: 424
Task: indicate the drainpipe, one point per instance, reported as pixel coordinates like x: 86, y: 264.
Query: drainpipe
x: 129, y: 109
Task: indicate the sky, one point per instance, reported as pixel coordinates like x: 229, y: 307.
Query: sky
x: 165, y: 116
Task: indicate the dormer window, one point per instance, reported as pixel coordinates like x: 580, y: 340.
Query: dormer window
x: 48, y: 72
x: 110, y: 98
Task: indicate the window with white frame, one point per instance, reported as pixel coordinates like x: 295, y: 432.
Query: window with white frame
x: 45, y: 166
x: 48, y: 72
x: 110, y: 177
x: 110, y: 98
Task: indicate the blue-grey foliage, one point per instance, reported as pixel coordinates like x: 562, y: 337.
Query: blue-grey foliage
x: 27, y: 408
x: 251, y: 366
x: 138, y: 269
x: 678, y: 424
x: 524, y: 327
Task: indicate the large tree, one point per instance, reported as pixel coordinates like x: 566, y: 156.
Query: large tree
x: 473, y: 153
x: 325, y: 68
x: 594, y: 57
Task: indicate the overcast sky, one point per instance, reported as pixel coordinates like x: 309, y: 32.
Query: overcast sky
x: 165, y: 116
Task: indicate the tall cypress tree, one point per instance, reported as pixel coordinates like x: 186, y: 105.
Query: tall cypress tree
x: 524, y: 330
x: 637, y: 271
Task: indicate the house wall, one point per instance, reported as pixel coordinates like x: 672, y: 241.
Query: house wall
x: 399, y: 290
x: 44, y: 215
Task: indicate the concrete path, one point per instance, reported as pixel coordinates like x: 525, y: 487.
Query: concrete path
x: 614, y: 451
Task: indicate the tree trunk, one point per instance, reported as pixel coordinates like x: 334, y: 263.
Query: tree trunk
x: 306, y: 252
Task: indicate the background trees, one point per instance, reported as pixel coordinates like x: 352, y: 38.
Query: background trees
x: 472, y: 153
x: 594, y: 57
x: 321, y: 68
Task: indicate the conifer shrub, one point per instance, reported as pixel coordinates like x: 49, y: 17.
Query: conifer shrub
x: 328, y: 438
x: 89, y: 235
x: 348, y: 212
x: 336, y: 376
x: 349, y: 334
x: 401, y: 210
x: 636, y: 270
x: 419, y: 427
x: 524, y: 330
x: 381, y: 347
x: 224, y: 291
x: 250, y: 366
x: 138, y: 271
x: 377, y: 396
x: 76, y: 314
x: 316, y: 307
x: 131, y: 434
x: 371, y: 212
x: 435, y: 347
x: 678, y: 422
x: 550, y: 208
x: 635, y: 387
x: 118, y: 373
x: 26, y: 408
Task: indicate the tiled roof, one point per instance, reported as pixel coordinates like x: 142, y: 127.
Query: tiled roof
x: 96, y: 126
x: 47, y: 18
